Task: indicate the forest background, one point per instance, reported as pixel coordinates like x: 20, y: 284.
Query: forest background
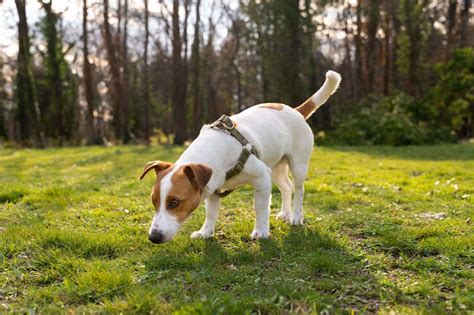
x: 129, y: 71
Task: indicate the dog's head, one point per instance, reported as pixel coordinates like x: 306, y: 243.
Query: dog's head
x: 175, y: 195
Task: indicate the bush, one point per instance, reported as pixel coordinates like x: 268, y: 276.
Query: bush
x: 444, y: 114
x: 386, y: 121
x: 453, y: 94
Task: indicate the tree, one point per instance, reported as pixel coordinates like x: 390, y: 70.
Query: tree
x: 179, y: 76
x: 372, y: 27
x: 287, y: 41
x: 3, y: 124
x: 359, y: 60
x: 92, y: 135
x: 451, y: 23
x: 464, y: 23
x: 58, y: 88
x: 116, y: 87
x: 453, y: 94
x: 146, y: 84
x: 412, y: 40
x: 27, y: 112
x: 125, y: 77
x: 195, y: 69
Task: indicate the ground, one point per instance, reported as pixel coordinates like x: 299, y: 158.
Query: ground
x: 387, y: 229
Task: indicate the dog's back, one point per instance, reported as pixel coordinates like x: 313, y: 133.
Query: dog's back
x: 277, y: 129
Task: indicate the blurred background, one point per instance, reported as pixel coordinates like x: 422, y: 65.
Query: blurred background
x: 153, y: 71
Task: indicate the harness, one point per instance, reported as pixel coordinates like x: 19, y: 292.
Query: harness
x: 226, y: 125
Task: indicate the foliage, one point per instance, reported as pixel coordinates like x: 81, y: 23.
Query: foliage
x: 413, y: 35
x: 386, y: 121
x: 453, y: 94
x: 56, y: 84
x: 444, y: 115
x: 236, y: 56
x: 392, y: 236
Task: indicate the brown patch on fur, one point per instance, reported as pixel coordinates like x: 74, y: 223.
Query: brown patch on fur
x: 158, y: 166
x: 306, y: 108
x: 274, y: 106
x: 187, y: 184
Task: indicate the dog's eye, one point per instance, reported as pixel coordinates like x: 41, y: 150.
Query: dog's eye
x: 173, y: 203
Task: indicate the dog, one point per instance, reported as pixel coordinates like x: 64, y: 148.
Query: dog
x: 284, y: 142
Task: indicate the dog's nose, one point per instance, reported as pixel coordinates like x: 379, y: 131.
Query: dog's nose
x: 156, y: 237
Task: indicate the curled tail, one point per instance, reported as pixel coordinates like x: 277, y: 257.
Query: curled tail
x: 321, y: 96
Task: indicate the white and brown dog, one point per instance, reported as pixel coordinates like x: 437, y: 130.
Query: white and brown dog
x: 284, y: 142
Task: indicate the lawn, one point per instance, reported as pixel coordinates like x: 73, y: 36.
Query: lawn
x: 387, y: 229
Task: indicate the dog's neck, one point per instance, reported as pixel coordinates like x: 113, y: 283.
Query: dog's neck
x: 215, y: 149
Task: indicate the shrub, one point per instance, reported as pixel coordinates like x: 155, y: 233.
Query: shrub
x: 386, y: 121
x: 453, y: 94
x: 444, y: 114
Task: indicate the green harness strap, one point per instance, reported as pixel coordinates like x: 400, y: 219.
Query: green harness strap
x: 227, y: 125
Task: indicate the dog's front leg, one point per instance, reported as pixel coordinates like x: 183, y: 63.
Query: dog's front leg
x: 212, y: 211
x: 262, y: 189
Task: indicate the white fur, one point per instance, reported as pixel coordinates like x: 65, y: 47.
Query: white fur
x: 285, y: 143
x: 164, y: 222
x: 329, y: 87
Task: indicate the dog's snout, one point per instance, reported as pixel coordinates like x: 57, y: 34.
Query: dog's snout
x: 156, y: 237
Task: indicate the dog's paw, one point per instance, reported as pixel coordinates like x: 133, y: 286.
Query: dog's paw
x: 285, y: 216
x: 201, y: 234
x: 256, y: 234
x: 296, y: 220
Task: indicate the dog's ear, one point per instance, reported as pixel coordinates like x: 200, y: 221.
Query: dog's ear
x: 158, y: 166
x: 198, y: 174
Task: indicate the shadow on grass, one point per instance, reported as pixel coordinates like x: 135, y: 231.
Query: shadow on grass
x: 446, y: 152
x: 305, y: 270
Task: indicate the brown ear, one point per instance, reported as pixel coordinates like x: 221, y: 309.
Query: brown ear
x: 198, y: 174
x: 158, y: 166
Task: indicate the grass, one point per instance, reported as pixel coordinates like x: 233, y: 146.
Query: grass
x: 387, y: 230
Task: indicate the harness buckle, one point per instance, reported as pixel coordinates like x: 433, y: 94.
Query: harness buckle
x: 225, y: 120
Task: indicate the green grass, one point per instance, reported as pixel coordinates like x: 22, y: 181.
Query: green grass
x: 74, y: 226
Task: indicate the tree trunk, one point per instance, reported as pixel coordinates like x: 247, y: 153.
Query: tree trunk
x: 464, y: 27
x: 146, y: 91
x: 27, y: 113
x: 184, y: 77
x: 125, y: 77
x: 115, y: 77
x: 56, y: 119
x: 196, y: 65
x: 235, y: 66
x: 360, y: 89
x: 451, y: 23
x: 91, y: 133
x: 386, y: 76
x: 179, y: 106
x: 372, y: 26
x: 395, y: 21
x: 347, y: 45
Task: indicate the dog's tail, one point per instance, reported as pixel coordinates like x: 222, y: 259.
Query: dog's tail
x: 321, y: 96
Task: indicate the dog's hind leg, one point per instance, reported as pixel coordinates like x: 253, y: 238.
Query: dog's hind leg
x: 213, y: 203
x: 281, y: 179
